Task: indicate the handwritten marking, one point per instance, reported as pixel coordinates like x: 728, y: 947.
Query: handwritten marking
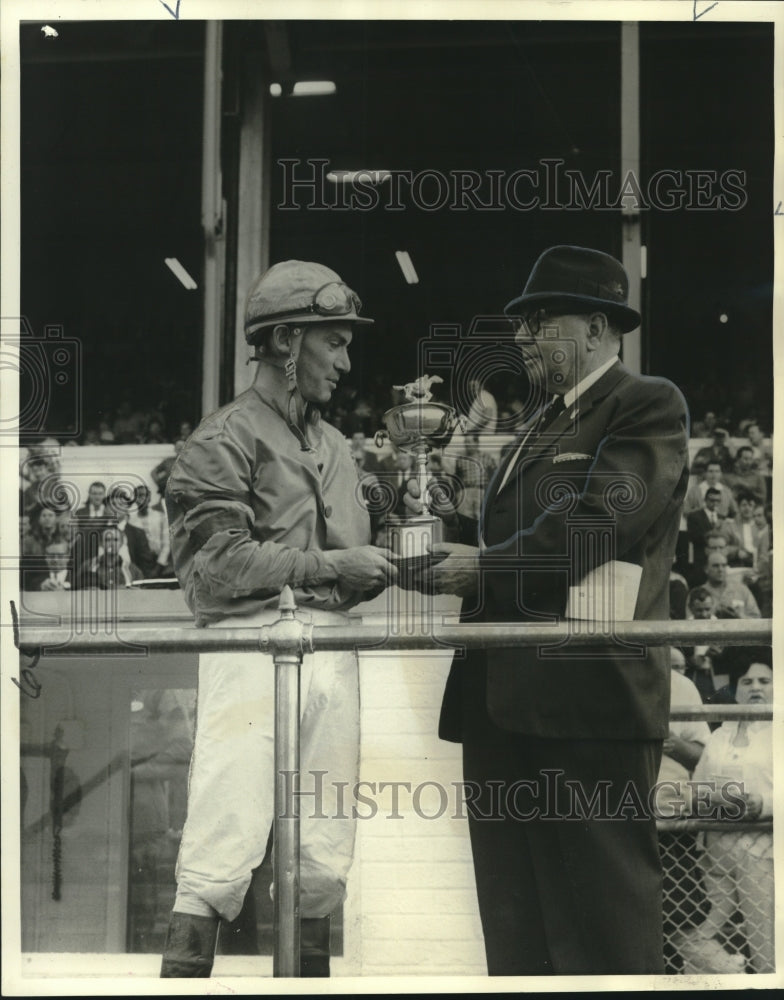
x: 35, y: 685
x: 28, y: 677
x: 778, y: 209
x: 697, y: 16
x: 15, y: 623
x: 176, y: 13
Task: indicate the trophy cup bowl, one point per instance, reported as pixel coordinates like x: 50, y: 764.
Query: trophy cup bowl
x: 417, y: 427
x: 420, y: 426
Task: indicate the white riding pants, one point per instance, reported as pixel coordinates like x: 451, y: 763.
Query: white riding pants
x: 231, y: 784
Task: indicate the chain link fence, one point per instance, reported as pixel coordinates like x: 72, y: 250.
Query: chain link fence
x: 718, y: 896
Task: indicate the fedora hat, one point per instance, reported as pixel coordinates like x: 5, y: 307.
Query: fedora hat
x: 589, y: 280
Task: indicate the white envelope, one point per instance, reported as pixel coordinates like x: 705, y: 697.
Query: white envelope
x: 606, y: 594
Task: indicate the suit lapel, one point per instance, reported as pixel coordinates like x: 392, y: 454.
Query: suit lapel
x: 545, y: 442
x: 508, y: 455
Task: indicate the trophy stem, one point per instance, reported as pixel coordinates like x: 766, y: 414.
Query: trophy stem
x: 424, y: 492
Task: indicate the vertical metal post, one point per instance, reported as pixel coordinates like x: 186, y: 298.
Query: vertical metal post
x: 253, y: 201
x: 285, y: 849
x: 212, y: 218
x: 630, y: 162
x: 287, y: 639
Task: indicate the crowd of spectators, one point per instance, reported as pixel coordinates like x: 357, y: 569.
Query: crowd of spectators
x: 718, y: 891
x: 726, y: 538
x: 723, y: 565
x: 132, y: 425
x: 117, y: 537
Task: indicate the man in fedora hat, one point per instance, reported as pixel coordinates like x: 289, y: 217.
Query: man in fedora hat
x: 561, y: 745
x: 265, y: 494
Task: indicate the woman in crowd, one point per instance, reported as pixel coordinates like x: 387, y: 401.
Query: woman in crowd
x: 44, y: 529
x: 738, y: 865
x: 44, y: 532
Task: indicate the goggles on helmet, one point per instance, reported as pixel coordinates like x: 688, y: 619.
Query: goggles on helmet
x: 333, y: 299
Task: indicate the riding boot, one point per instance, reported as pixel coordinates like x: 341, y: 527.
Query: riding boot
x: 190, y: 946
x: 314, y: 947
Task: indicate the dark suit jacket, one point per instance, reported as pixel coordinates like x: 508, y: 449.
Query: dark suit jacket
x: 698, y: 525
x: 83, y: 513
x: 139, y: 549
x: 619, y: 467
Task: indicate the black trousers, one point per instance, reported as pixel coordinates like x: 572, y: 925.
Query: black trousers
x: 565, y: 849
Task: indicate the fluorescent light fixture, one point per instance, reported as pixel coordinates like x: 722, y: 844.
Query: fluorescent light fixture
x: 303, y: 88
x: 179, y: 272
x: 407, y: 267
x: 351, y: 176
x: 313, y: 88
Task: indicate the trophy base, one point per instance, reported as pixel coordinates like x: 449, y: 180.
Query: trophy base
x: 414, y: 537
x: 411, y: 540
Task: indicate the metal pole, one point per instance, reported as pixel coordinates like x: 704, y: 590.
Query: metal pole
x: 253, y: 200
x: 370, y: 636
x: 212, y: 217
x: 722, y: 713
x: 285, y: 842
x: 287, y: 639
x: 630, y: 164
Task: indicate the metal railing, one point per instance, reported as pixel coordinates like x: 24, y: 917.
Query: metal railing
x: 289, y: 638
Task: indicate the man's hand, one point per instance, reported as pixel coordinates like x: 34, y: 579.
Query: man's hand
x: 702, y: 661
x: 718, y: 798
x: 365, y: 567
x: 753, y: 805
x: 412, y: 497
x: 459, y: 572
x: 440, y: 504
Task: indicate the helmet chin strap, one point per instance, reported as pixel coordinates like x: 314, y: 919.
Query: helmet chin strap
x: 290, y: 371
x: 289, y: 367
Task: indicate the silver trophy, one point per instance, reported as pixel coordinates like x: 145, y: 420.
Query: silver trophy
x: 417, y: 427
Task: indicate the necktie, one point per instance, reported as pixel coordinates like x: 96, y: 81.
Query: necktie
x: 553, y: 410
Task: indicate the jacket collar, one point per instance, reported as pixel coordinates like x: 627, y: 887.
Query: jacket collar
x: 573, y: 395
